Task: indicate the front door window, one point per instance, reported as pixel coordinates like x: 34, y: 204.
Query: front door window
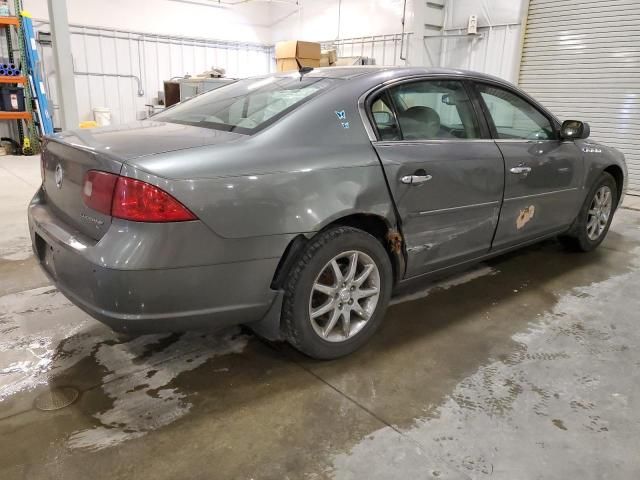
x: 514, y: 117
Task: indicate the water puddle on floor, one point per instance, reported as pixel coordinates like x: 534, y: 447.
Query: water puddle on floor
x: 43, y: 335
x: 32, y: 325
x: 138, y: 384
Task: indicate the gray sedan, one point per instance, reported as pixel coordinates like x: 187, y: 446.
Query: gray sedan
x: 296, y: 203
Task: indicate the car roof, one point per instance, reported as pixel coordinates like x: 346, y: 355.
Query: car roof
x: 350, y: 72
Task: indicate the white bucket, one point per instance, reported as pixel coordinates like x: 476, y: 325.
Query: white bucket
x: 102, y: 116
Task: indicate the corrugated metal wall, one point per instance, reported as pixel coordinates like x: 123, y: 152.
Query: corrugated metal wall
x: 582, y: 60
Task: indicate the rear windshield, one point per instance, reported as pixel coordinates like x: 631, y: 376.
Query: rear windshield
x: 247, y: 105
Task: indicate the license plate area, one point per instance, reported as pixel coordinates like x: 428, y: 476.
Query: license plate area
x: 45, y: 255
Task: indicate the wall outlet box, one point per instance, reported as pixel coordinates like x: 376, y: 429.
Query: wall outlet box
x: 472, y: 27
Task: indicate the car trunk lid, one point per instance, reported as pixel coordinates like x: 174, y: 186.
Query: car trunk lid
x: 64, y: 168
x: 144, y: 138
x: 68, y: 156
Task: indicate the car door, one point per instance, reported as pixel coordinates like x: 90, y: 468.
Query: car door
x: 444, y: 172
x: 542, y: 171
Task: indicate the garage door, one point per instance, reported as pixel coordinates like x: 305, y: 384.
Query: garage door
x: 581, y: 59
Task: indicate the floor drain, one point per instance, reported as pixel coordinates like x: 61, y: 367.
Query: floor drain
x: 56, y: 398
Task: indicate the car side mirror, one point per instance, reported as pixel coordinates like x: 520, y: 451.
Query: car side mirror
x: 574, y: 129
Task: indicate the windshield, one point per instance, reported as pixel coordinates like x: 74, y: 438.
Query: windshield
x: 247, y: 105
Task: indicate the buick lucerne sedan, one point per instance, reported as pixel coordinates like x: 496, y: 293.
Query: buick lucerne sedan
x: 296, y: 203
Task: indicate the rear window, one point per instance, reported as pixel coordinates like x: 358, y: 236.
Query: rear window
x: 246, y: 106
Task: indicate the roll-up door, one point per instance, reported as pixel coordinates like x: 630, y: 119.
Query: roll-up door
x: 581, y: 59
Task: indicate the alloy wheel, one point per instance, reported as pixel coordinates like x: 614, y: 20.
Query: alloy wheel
x: 344, y: 296
x: 599, y: 213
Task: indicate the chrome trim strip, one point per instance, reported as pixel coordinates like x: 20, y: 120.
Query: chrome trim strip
x: 544, y: 194
x: 435, y: 140
x: 524, y: 140
x: 453, y: 209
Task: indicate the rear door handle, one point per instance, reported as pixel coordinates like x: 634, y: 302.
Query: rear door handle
x: 415, y: 179
x: 520, y: 170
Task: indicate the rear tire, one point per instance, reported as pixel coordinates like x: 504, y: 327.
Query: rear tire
x: 337, y: 293
x: 592, y: 224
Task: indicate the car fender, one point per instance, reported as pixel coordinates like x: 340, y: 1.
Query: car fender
x: 597, y: 159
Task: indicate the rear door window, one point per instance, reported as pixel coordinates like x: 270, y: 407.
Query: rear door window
x: 384, y: 119
x: 434, y: 110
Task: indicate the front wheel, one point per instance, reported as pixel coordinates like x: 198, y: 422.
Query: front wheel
x: 337, y: 293
x: 594, y: 219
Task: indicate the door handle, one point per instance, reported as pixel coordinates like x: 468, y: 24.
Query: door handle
x: 520, y: 170
x: 415, y: 179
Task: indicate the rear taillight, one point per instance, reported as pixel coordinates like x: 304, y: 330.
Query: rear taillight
x: 143, y: 202
x: 97, y: 191
x: 131, y: 199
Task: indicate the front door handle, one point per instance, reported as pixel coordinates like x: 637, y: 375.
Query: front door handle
x: 520, y: 170
x: 415, y: 179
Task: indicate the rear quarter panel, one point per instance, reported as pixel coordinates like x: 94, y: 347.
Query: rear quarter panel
x: 303, y: 172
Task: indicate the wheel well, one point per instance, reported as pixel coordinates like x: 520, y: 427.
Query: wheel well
x: 372, y: 224
x: 378, y: 227
x: 616, y: 172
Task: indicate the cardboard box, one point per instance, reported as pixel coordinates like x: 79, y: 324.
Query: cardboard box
x: 332, y: 54
x: 324, y: 60
x: 286, y: 64
x: 295, y: 54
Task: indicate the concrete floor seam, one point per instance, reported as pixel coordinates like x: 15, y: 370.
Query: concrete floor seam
x: 375, y: 416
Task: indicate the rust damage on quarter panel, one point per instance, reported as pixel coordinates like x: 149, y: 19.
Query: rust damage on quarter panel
x: 395, y: 243
x: 525, y: 216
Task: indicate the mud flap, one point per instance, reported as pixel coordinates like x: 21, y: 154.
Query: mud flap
x: 269, y: 326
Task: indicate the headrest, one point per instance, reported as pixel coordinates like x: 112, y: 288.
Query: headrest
x: 420, y: 123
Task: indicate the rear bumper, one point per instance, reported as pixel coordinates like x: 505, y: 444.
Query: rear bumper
x: 152, y: 299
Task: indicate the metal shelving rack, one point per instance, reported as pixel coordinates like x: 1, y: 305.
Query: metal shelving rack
x: 12, y: 24
x: 33, y: 145
x: 6, y: 23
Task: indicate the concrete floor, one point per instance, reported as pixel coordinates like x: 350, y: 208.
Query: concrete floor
x: 526, y: 367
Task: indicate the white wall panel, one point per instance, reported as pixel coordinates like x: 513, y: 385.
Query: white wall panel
x: 384, y: 49
x: 319, y: 20
x: 151, y: 58
x: 489, y: 12
x: 495, y: 52
x: 246, y: 22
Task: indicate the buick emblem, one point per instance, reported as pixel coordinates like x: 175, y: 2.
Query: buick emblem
x: 59, y: 176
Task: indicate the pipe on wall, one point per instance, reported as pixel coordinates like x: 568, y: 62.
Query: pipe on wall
x: 404, y: 17
x: 120, y: 75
